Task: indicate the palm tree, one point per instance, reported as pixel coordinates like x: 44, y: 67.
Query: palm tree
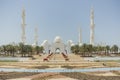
x: 16, y: 47
x: 114, y: 49
x: 28, y: 50
x: 37, y: 49
x: 1, y: 49
x: 84, y: 49
x: 10, y: 50
x: 95, y: 49
x: 75, y: 49
x: 22, y: 49
x: 41, y: 49
x: 100, y: 49
x: 107, y: 49
x: 89, y: 49
x: 4, y: 48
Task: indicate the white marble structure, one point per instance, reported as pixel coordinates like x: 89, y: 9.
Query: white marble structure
x: 46, y: 46
x: 92, y: 25
x: 80, y: 37
x: 69, y: 45
x: 35, y: 38
x: 23, y: 37
x: 57, y: 46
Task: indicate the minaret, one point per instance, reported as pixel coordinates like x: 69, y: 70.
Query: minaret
x: 23, y: 37
x: 80, y: 36
x: 92, y: 25
x: 36, y: 36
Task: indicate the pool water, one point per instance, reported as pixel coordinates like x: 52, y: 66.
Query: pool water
x: 59, y: 70
x: 101, y: 58
x: 13, y: 58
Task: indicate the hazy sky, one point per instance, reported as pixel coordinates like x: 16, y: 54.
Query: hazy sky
x: 60, y: 18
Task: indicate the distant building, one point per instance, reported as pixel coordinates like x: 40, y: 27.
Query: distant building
x: 57, y: 46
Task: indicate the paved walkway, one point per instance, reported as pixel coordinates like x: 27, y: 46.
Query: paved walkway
x: 48, y: 79
x: 56, y: 76
x: 35, y: 76
x: 63, y: 79
x: 20, y: 79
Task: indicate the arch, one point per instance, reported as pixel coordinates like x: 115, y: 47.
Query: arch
x: 57, y: 50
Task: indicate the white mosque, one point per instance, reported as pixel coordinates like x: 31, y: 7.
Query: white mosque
x: 57, y: 46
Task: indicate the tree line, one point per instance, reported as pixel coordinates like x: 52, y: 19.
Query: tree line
x: 89, y: 50
x: 29, y: 50
x: 20, y: 49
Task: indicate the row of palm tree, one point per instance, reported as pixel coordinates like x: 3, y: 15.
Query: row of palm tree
x: 20, y: 49
x: 88, y: 49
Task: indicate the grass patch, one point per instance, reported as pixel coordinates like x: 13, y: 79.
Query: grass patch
x: 68, y: 67
x: 41, y: 67
x: 116, y: 72
x: 107, y: 60
x: 12, y: 75
x: 83, y: 76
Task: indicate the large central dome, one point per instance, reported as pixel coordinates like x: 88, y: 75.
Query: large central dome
x: 57, y: 39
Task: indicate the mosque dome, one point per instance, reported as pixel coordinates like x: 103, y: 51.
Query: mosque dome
x: 72, y: 44
x: 45, y: 42
x: 69, y: 41
x: 57, y: 39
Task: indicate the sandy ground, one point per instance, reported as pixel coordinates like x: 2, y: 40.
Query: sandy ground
x: 63, y: 79
x: 60, y: 77
x: 20, y: 79
x: 47, y: 79
x: 107, y: 74
x: 53, y: 77
x: 102, y: 73
x: 57, y: 76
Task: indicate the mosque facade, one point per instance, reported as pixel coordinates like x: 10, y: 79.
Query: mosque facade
x: 58, y: 46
